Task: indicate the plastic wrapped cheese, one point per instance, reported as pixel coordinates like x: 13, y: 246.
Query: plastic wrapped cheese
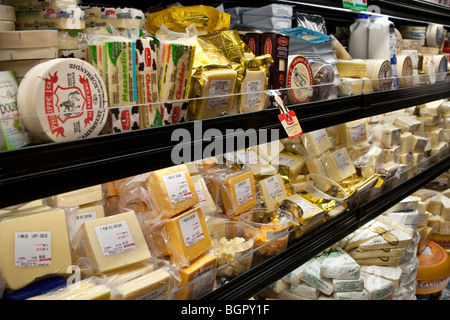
x: 339, y: 265
x: 354, y: 68
x: 272, y: 191
x: 338, y: 165
x: 316, y: 142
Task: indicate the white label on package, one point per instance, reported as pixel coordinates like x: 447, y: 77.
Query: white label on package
x: 285, y: 161
x: 276, y: 234
x: 83, y: 217
x: 177, y: 187
x: 152, y: 295
x: 243, y: 191
x: 253, y: 99
x: 115, y: 238
x: 203, y: 282
x: 306, y: 207
x: 273, y: 187
x: 198, y: 188
x: 341, y: 161
x: 32, y: 249
x: 319, y: 135
x: 247, y: 157
x: 357, y: 132
x: 191, y: 229
x: 219, y: 88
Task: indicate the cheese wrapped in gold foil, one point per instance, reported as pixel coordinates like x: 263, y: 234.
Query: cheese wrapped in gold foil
x: 177, y: 18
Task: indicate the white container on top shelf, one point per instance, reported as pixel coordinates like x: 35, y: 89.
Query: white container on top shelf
x: 359, y: 37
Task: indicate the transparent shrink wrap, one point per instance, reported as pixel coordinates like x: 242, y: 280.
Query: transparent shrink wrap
x: 368, y: 163
x: 323, y: 77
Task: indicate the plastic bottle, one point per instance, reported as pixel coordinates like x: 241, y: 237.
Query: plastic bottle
x: 358, y: 37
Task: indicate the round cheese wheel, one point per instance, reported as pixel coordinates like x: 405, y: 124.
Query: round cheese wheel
x: 299, y: 80
x: 434, y: 269
x: 440, y: 65
x: 405, y: 70
x: 435, y: 36
x: 62, y: 99
x: 380, y: 71
x: 7, y: 13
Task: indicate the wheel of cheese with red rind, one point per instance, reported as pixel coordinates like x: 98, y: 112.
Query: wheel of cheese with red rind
x: 63, y: 99
x: 434, y: 269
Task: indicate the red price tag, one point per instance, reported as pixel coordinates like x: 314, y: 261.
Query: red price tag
x: 291, y: 124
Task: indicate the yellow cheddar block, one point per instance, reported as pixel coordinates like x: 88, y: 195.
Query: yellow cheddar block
x: 204, y: 267
x: 147, y: 287
x: 272, y: 191
x: 338, y: 165
x: 316, y: 142
x: 172, y: 190
x: 32, y: 246
x: 115, y: 242
x: 187, y: 236
x: 239, y: 193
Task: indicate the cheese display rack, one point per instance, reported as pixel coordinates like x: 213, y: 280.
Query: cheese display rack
x: 67, y: 166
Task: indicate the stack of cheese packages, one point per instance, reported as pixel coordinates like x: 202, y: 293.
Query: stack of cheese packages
x: 352, y: 269
x: 7, y: 18
x: 435, y: 210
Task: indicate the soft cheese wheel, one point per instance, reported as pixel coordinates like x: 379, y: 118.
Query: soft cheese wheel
x: 172, y: 190
x: 63, y: 99
x: 299, y: 80
x: 405, y: 70
x: 380, y: 71
x: 33, y: 246
x: 114, y: 242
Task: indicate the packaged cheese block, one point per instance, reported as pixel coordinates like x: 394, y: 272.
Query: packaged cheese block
x: 299, y: 80
x: 252, y: 97
x: 115, y: 242
x: 339, y: 265
x: 354, y: 68
x: 147, y: 287
x: 315, y: 166
x: 407, y: 123
x: 30, y: 39
x: 206, y: 202
x: 418, y: 143
x: 309, y: 211
x: 306, y: 291
x: 187, y: 236
x: 97, y: 292
x: 34, y: 246
x: 7, y: 13
x: 201, y: 274
x: 377, y: 287
x: 272, y: 191
x: 366, y: 234
x: 216, y: 97
x: 355, y: 285
x: 63, y: 99
x: 390, y: 136
x: 379, y: 261
x: 316, y: 142
x: 76, y: 197
x: 239, y: 193
x: 172, y: 190
x: 391, y: 154
x: 380, y: 71
x: 352, y: 86
x: 311, y: 275
x: 288, y: 164
x: 353, y: 132
x: 269, y: 151
x: 439, y: 148
x: 405, y: 142
x: 12, y: 132
x: 393, y: 274
x: 393, y: 239
x: 130, y: 273
x: 338, y: 165
x: 355, y: 295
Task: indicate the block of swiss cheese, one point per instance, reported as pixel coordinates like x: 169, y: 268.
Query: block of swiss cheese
x: 172, y: 190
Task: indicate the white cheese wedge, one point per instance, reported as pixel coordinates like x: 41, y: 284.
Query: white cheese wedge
x: 338, y: 165
x: 356, y: 295
x: 339, y: 265
x: 305, y: 290
x: 272, y: 191
x: 316, y: 142
x: 311, y: 275
x: 377, y: 287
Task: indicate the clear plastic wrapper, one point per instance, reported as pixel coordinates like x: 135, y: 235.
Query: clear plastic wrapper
x: 313, y: 22
x: 323, y: 77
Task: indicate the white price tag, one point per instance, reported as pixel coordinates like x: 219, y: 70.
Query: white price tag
x: 243, y: 191
x: 177, y: 187
x: 191, y: 229
x: 32, y: 249
x: 115, y: 238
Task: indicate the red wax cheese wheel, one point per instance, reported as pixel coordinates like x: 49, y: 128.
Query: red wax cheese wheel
x: 62, y: 99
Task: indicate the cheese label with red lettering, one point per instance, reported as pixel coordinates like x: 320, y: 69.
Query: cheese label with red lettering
x: 299, y: 80
x: 63, y: 99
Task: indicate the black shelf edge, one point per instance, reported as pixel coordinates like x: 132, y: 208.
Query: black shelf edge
x: 298, y: 252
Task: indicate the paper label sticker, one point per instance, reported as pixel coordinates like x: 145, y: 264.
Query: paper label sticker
x: 243, y: 191
x: 32, y: 249
x: 191, y: 229
x: 291, y: 124
x: 177, y: 187
x: 114, y: 238
x: 342, y: 161
x: 219, y: 88
x: 273, y: 187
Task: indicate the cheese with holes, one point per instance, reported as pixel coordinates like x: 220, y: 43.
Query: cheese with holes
x: 34, y: 245
x: 76, y: 197
x: 172, y: 190
x: 216, y: 95
x: 316, y: 142
x: 272, y: 191
x: 201, y: 272
x: 187, y: 236
x: 338, y: 165
x: 147, y: 287
x: 339, y: 265
x: 239, y: 193
x: 114, y: 242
